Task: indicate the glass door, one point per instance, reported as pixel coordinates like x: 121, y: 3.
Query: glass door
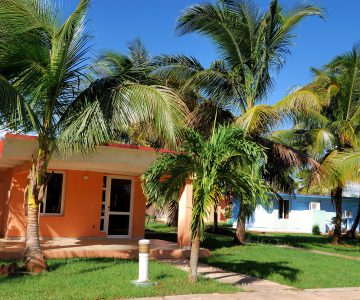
x: 119, y: 204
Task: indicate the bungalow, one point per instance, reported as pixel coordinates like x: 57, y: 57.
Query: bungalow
x: 298, y: 213
x: 96, y: 196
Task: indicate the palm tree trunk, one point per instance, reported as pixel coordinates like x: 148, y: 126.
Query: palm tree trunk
x: 173, y: 213
x: 216, y: 225
x: 240, y: 226
x: 34, y: 194
x: 337, y: 194
x: 194, y: 258
x: 351, y: 232
x: 34, y: 258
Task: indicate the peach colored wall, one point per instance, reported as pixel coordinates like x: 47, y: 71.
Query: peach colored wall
x: 14, y: 219
x: 81, y: 212
x: 82, y: 205
x: 5, y: 183
x: 139, y: 208
x: 184, y: 216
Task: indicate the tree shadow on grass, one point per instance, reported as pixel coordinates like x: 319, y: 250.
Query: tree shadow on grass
x: 299, y: 241
x: 56, y: 264
x: 257, y: 269
x: 166, y: 236
x: 215, y: 241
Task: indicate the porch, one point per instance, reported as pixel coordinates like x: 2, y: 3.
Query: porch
x: 114, y: 248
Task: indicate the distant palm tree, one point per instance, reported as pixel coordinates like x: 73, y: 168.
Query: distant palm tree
x: 224, y: 161
x: 252, y: 44
x: 45, y: 89
x: 177, y: 71
x: 326, y: 116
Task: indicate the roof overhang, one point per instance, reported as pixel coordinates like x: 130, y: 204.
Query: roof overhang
x: 17, y: 150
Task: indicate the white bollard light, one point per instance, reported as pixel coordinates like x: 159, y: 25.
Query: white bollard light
x: 144, y: 252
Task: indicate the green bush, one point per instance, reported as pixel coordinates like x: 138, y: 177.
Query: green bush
x: 228, y: 212
x: 316, y: 230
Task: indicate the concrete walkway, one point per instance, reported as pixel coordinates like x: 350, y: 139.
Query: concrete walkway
x: 245, y: 282
x: 313, y: 294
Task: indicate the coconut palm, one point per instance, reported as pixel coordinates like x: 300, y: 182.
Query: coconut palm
x: 135, y: 67
x: 252, y: 44
x: 44, y: 89
x: 176, y: 70
x: 326, y: 115
x: 225, y: 161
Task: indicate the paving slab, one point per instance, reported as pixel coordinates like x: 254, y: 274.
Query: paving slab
x: 293, y: 294
x: 245, y: 282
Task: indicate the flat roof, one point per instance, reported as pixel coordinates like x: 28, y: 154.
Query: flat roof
x: 117, y: 158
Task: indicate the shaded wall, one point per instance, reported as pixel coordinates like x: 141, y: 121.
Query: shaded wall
x: 81, y: 211
x: 5, y: 183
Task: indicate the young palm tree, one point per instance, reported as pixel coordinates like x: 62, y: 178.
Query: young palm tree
x: 225, y: 161
x: 251, y: 44
x: 326, y: 117
x: 44, y: 90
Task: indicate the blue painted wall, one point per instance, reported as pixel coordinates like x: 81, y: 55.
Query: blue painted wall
x: 301, y: 219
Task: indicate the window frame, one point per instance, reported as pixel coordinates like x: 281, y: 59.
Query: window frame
x: 107, y: 206
x: 282, y: 215
x: 44, y: 213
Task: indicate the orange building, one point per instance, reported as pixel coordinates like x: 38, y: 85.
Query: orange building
x: 98, y: 195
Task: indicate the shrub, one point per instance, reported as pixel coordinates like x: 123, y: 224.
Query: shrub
x: 316, y: 230
x: 228, y: 212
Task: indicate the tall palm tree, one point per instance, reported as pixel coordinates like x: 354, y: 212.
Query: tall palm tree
x: 176, y: 71
x: 251, y: 44
x: 44, y: 89
x: 204, y: 111
x: 135, y: 67
x: 326, y: 115
x: 224, y: 161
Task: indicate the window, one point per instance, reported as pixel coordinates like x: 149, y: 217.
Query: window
x: 347, y: 214
x: 53, y: 202
x: 283, y: 209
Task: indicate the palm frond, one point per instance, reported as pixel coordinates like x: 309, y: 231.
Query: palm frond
x: 259, y: 119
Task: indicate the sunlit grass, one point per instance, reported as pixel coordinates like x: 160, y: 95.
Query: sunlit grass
x: 103, y: 279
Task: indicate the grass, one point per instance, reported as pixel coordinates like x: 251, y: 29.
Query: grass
x: 161, y: 231
x: 286, y: 266
x: 297, y: 268
x: 308, y: 242
x: 103, y: 279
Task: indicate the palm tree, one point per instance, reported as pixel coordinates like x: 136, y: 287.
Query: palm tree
x: 135, y: 67
x: 204, y: 111
x: 45, y: 89
x: 252, y: 44
x: 348, y: 164
x: 175, y: 71
x: 225, y: 161
x: 326, y: 116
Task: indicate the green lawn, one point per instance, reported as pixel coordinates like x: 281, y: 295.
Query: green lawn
x: 286, y: 266
x: 307, y: 241
x: 262, y: 258
x: 103, y: 279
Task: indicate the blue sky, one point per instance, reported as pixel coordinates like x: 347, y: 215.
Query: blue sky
x: 114, y: 23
